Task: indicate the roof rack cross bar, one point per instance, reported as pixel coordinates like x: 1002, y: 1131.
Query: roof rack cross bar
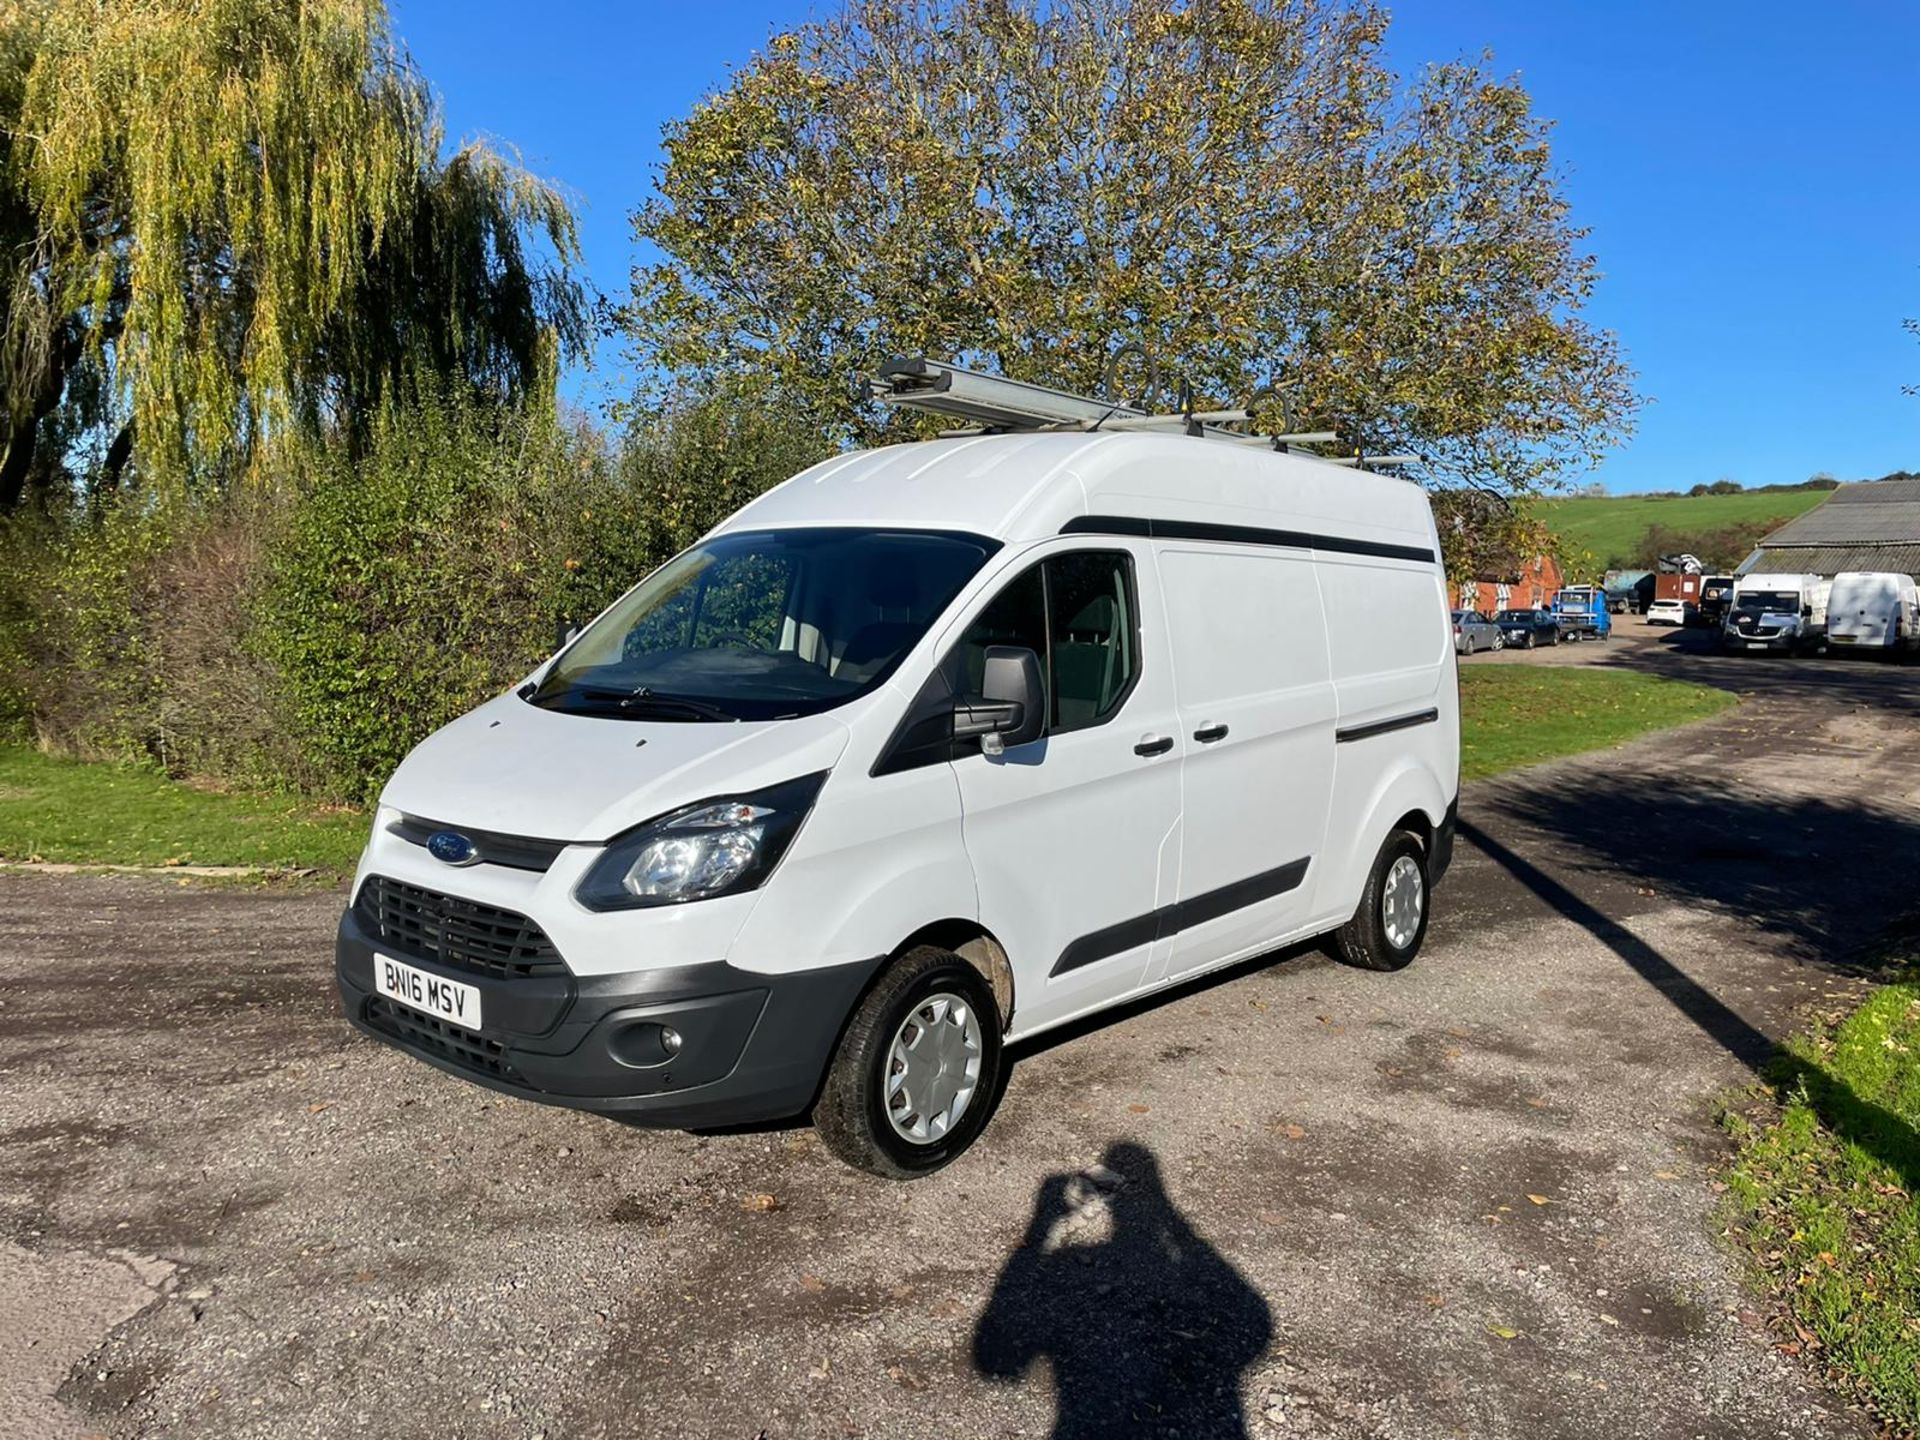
x: 986, y: 404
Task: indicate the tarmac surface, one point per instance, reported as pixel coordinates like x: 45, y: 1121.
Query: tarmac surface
x: 1475, y: 1198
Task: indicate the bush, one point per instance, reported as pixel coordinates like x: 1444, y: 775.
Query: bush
x: 405, y: 586
x: 435, y: 571
x: 312, y: 629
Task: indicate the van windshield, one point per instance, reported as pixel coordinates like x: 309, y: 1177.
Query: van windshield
x: 1767, y: 602
x: 763, y: 625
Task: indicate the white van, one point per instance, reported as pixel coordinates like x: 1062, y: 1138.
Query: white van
x: 1874, y: 610
x: 929, y: 749
x: 1784, y: 612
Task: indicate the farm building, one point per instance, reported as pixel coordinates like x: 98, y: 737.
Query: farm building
x: 1530, y: 586
x: 1872, y: 525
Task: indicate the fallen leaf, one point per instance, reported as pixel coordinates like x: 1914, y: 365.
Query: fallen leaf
x: 318, y: 1106
x: 1539, y: 1199
x: 1290, y: 1130
x: 1666, y: 1174
x: 813, y: 1283
x: 1434, y: 1300
x: 762, y: 1203
x: 1502, y: 1332
x: 1608, y: 1320
x: 1138, y: 1109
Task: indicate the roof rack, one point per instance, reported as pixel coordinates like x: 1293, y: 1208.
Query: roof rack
x: 992, y: 404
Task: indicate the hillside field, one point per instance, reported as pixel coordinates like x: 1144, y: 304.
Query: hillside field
x: 1611, y: 528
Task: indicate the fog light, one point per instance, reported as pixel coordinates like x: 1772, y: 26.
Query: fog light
x: 644, y: 1045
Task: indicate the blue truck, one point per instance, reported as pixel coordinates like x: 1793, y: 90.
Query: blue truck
x: 1581, y: 613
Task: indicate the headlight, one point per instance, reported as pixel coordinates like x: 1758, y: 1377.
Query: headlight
x: 717, y: 847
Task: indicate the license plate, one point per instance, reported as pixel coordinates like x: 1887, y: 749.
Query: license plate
x: 447, y: 1000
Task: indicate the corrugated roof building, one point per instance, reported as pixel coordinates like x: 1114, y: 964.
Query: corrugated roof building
x: 1874, y: 525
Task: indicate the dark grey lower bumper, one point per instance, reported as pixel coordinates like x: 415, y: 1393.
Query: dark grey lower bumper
x: 755, y: 1047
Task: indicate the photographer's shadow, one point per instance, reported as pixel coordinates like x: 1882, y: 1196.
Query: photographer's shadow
x: 1147, y: 1327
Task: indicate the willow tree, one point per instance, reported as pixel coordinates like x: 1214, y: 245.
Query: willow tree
x: 227, y: 220
x: 1242, y: 187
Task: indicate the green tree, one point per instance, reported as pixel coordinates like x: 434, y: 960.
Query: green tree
x: 1240, y: 185
x: 227, y: 220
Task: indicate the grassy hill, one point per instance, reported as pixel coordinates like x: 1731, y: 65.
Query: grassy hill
x: 1611, y: 528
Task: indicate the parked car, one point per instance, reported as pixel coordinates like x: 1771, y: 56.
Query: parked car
x: 1474, y: 632
x: 1666, y: 612
x: 1786, y: 612
x: 823, y: 811
x: 1874, y: 610
x: 1716, y: 596
x: 1528, y: 628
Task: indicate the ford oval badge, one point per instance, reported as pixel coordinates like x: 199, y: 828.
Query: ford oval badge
x: 451, y: 848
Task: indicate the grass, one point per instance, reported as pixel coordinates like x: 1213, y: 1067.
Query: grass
x: 93, y: 814
x: 1513, y: 715
x: 1821, y: 1195
x: 1612, y: 527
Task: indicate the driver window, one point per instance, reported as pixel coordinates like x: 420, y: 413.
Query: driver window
x: 1075, y: 612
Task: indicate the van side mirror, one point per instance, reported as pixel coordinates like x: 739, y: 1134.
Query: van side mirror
x: 1806, y: 612
x: 1011, y: 706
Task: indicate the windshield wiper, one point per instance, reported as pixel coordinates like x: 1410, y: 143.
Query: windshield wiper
x: 644, y: 700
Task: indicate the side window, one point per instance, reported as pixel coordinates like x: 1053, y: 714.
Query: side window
x: 1017, y: 616
x: 1091, y: 634
x: 1075, y: 612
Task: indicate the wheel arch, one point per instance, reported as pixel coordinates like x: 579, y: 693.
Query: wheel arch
x: 1406, y: 797
x: 979, y: 947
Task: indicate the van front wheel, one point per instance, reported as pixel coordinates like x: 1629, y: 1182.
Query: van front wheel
x: 1386, y: 931
x: 916, y: 1073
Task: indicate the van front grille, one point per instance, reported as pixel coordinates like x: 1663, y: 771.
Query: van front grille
x: 448, y: 1042
x: 463, y: 934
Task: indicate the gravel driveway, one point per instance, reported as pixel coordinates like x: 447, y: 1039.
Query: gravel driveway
x: 1470, y: 1199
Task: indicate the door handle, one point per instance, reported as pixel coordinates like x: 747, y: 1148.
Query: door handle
x: 1207, y: 734
x: 1154, y: 745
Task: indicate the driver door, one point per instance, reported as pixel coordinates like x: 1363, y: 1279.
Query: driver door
x: 1075, y: 838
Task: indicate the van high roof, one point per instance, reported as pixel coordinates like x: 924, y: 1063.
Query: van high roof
x: 1029, y: 486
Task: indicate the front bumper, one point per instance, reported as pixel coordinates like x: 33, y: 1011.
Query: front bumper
x: 754, y: 1046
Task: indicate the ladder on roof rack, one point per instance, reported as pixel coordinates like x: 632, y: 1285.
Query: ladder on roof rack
x: 992, y: 403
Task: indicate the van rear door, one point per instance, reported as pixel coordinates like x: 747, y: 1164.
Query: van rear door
x: 1256, y: 707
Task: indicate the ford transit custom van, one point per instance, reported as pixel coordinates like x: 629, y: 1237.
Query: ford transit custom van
x: 928, y: 750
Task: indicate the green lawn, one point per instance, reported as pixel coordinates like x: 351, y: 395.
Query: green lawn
x: 67, y: 810
x: 1822, y: 1197
x: 1611, y: 529
x: 1512, y: 715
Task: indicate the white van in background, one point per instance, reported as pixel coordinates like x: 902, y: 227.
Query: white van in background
x: 929, y: 749
x: 1874, y: 610
x: 1777, y: 612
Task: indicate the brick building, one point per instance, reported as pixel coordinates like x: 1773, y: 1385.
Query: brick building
x: 1533, y: 586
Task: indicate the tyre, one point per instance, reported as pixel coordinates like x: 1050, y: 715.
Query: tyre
x: 1386, y: 931
x: 1499, y: 643
x: 915, y: 1075
x: 1527, y: 644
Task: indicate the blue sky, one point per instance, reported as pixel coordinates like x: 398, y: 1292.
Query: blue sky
x: 1748, y: 172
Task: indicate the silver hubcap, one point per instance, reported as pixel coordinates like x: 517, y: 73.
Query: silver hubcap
x: 1405, y: 898
x: 932, y: 1068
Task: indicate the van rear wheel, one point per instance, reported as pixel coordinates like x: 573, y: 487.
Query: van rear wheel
x: 1386, y: 931
x: 916, y: 1073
